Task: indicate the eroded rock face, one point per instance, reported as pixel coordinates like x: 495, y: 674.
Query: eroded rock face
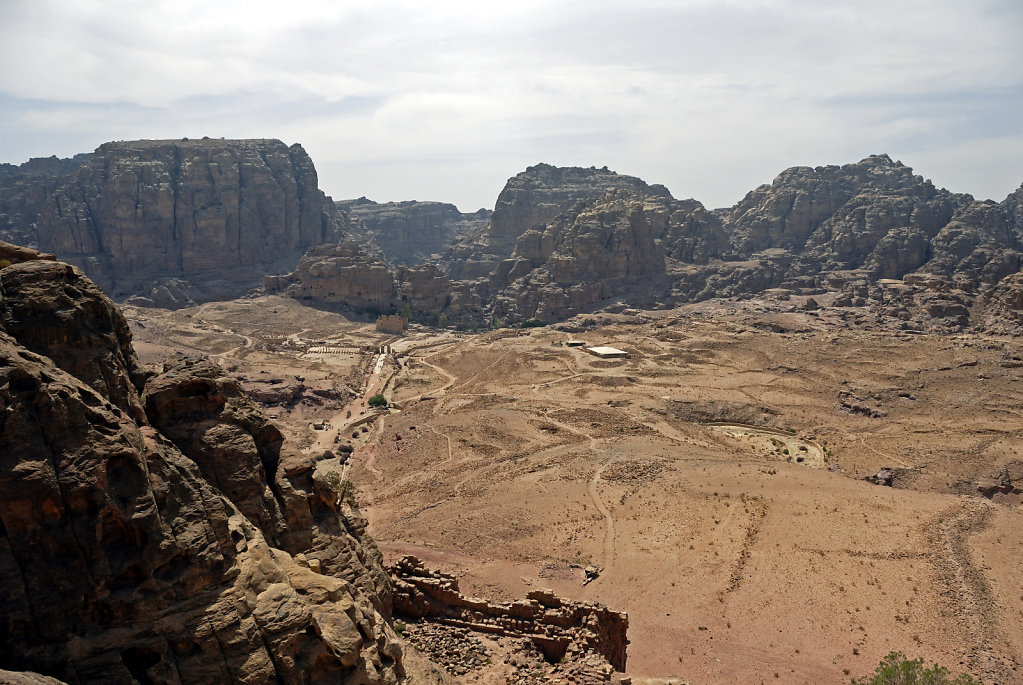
x: 347, y: 276
x: 837, y: 215
x: 584, y: 256
x: 341, y: 274
x: 217, y: 214
x: 412, y: 232
x: 242, y: 453
x: 121, y: 561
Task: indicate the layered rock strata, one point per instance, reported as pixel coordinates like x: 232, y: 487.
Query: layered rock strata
x: 561, y: 629
x: 529, y: 200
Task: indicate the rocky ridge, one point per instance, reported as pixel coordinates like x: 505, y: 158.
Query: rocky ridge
x: 209, y: 554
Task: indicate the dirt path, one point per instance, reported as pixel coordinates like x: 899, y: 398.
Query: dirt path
x: 966, y: 589
x: 609, y: 535
x: 608, y: 559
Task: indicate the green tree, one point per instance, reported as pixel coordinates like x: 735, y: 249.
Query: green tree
x: 377, y: 400
x: 896, y: 669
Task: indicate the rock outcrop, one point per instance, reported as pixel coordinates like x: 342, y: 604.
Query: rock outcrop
x: 125, y: 558
x: 180, y: 220
x: 411, y: 232
x: 52, y: 309
x: 347, y: 277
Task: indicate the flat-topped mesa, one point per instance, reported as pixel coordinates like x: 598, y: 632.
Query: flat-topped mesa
x: 216, y: 214
x: 560, y: 628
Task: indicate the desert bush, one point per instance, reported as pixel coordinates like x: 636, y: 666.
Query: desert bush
x: 896, y: 669
x: 377, y: 400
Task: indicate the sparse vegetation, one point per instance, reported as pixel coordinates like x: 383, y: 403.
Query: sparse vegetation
x: 533, y: 323
x: 896, y: 669
x: 377, y: 401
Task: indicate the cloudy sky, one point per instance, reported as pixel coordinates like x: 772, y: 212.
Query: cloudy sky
x: 445, y: 99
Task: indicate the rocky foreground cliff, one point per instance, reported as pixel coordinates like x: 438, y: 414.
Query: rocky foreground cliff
x: 172, y: 221
x: 155, y: 529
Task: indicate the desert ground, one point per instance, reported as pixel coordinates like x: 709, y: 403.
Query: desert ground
x: 715, y: 476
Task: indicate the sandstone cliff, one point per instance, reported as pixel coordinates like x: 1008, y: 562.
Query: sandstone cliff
x: 185, y: 219
x: 411, y: 232
x: 127, y: 555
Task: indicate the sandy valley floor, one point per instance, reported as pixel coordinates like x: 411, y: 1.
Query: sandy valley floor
x: 745, y: 552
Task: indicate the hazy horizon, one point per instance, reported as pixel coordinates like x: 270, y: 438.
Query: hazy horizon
x: 399, y: 100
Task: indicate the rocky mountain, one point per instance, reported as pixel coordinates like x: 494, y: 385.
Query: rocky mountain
x: 529, y: 200
x: 563, y: 241
x: 177, y: 220
x: 156, y: 529
x: 411, y: 232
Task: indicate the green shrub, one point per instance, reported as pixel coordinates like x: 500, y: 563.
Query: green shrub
x: 896, y: 669
x: 533, y: 323
x: 377, y: 400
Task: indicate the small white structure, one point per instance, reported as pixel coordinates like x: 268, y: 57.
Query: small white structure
x: 605, y: 352
x: 575, y: 343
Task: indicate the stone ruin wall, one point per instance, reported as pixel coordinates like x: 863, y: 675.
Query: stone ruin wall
x: 561, y: 629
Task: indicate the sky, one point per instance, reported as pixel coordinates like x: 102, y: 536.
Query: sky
x: 447, y: 99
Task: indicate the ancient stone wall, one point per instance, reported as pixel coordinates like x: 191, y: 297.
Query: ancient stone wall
x: 562, y: 629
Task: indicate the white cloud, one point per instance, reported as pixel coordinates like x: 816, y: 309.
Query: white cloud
x: 397, y: 99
